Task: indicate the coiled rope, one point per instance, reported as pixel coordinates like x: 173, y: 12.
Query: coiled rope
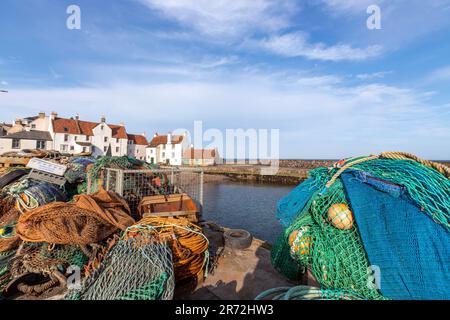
x: 188, y: 243
x: 308, y: 293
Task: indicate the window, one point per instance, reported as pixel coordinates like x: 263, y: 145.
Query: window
x: 173, y: 154
x: 163, y: 154
x: 102, y: 127
x: 87, y: 138
x: 66, y: 129
x: 64, y: 147
x: 72, y: 148
x: 164, y: 147
x: 40, y: 144
x: 85, y: 149
x: 106, y: 139
x: 117, y: 149
x: 33, y: 126
x: 75, y: 138
x: 16, y: 144
x: 105, y: 149
x: 66, y: 138
x: 173, y: 147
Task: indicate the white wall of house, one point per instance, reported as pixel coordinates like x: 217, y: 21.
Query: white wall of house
x: 137, y: 151
x: 67, y: 143
x: 168, y: 153
x: 6, y: 145
x: 151, y: 155
x: 42, y: 123
x: 103, y: 139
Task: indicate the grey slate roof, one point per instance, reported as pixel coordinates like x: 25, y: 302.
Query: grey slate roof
x: 29, y: 135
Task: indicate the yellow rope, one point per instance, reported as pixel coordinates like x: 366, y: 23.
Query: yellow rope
x: 348, y: 165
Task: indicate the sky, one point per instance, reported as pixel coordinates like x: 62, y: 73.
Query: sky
x: 312, y: 69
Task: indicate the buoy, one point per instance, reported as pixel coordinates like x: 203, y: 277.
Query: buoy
x: 300, y: 242
x: 340, y: 216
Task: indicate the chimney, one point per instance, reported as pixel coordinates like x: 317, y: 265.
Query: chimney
x: 77, y: 117
x: 103, y: 119
x: 53, y: 115
x: 18, y: 121
x: 122, y: 124
x: 41, y: 115
x: 155, y: 135
x: 169, y: 138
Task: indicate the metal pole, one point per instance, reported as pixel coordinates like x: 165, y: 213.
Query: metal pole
x: 201, y: 187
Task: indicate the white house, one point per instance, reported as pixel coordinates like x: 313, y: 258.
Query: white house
x: 137, y: 145
x: 27, y: 139
x: 167, y: 149
x: 75, y: 136
x: 201, y: 157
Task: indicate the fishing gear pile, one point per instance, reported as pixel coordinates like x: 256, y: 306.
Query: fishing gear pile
x: 58, y: 240
x: 372, y: 227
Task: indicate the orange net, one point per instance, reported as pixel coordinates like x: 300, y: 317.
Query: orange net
x: 90, y: 219
x: 8, y: 217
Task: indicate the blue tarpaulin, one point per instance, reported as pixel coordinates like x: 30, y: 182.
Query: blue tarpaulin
x: 411, y: 250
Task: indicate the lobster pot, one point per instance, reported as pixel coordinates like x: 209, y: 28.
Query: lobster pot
x: 134, y: 185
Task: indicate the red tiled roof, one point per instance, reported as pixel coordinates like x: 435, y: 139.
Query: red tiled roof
x: 199, y: 154
x: 156, y: 141
x: 138, y: 139
x: 118, y: 132
x: 73, y: 126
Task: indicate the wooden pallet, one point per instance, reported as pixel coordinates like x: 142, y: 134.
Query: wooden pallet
x: 6, y: 162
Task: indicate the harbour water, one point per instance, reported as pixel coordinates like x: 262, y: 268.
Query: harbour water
x: 245, y: 206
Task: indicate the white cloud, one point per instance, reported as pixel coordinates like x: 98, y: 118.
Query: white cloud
x: 297, y: 45
x: 350, y: 6
x: 320, y: 119
x: 227, y: 18
x: 4, y: 83
x: 441, y: 74
x: 374, y: 75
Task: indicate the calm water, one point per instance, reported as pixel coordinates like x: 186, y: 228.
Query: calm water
x: 245, y: 206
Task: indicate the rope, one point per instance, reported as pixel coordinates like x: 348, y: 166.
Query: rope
x: 346, y: 166
x: 188, y: 243
x: 389, y: 155
x: 308, y: 293
x: 408, y: 156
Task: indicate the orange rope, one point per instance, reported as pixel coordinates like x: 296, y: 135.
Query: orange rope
x: 188, y: 244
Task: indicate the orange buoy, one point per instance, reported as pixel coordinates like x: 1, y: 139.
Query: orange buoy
x: 340, y: 216
x: 300, y: 242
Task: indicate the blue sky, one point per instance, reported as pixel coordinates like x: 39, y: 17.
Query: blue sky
x: 310, y: 68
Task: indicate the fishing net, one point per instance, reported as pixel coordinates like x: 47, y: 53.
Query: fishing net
x: 77, y: 168
x: 31, y: 194
x: 37, y: 267
x: 8, y: 220
x: 186, y: 240
x: 324, y: 238
x: 133, y: 269
x: 307, y: 293
x: 90, y: 219
x: 5, y: 274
